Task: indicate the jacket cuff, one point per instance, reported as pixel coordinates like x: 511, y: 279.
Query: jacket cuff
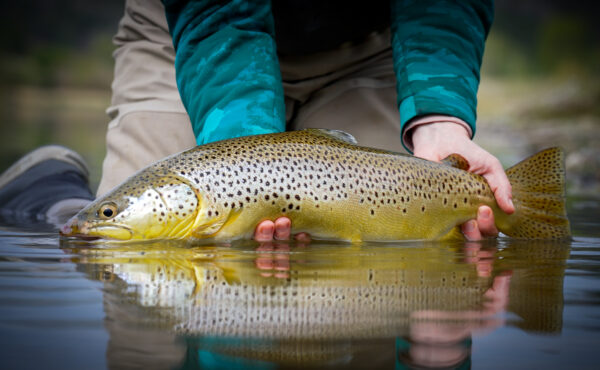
x: 426, y: 120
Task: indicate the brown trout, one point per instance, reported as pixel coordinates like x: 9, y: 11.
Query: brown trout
x: 327, y: 185
x: 323, y: 290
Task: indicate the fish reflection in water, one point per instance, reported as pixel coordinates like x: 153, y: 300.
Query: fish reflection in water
x: 169, y: 304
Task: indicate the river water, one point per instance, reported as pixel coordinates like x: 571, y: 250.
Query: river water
x: 490, y: 305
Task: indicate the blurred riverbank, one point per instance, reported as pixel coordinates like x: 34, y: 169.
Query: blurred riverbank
x: 32, y: 116
x: 518, y: 117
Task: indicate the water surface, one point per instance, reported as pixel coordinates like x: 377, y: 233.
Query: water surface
x: 495, y: 304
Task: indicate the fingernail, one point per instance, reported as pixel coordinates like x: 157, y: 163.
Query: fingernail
x: 470, y: 226
x: 484, y: 212
x: 511, y: 203
x: 283, y: 224
x: 268, y: 230
x: 280, y: 228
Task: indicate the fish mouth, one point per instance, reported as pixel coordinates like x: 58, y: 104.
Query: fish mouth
x: 111, y: 232
x: 86, y: 231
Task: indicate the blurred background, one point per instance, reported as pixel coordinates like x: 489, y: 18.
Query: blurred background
x: 540, y: 83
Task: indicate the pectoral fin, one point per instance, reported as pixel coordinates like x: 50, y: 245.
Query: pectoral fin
x: 210, y: 227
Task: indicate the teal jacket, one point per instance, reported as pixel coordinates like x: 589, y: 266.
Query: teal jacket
x: 228, y: 73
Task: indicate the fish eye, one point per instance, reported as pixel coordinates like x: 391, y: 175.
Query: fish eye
x: 107, y: 211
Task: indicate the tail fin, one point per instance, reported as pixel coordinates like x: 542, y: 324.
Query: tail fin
x: 538, y: 187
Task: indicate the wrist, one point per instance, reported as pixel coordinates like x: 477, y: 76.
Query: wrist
x: 437, y: 140
x: 427, y: 131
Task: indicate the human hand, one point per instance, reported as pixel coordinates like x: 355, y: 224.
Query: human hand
x: 281, y: 229
x: 482, y: 258
x: 438, y: 336
x: 436, y: 141
x: 273, y: 258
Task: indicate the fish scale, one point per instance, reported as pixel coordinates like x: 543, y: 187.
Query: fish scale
x: 305, y: 173
x: 326, y: 184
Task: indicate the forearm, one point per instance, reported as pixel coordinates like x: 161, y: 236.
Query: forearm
x: 438, y: 47
x: 226, y: 67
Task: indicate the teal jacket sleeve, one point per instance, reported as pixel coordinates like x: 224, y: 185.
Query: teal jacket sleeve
x: 227, y: 69
x: 438, y: 47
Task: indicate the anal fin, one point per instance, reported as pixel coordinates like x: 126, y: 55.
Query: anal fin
x: 453, y: 235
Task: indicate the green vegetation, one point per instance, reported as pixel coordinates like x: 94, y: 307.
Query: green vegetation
x: 561, y: 46
x: 58, y: 65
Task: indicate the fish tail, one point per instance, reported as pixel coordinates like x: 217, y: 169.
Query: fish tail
x: 538, y: 188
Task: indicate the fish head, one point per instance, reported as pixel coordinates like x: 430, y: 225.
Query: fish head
x: 143, y: 207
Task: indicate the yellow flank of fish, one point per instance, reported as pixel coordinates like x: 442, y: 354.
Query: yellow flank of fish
x: 327, y: 185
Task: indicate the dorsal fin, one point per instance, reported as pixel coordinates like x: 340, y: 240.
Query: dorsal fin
x: 335, y: 134
x: 456, y: 160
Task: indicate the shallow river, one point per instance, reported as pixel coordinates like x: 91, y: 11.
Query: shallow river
x: 496, y: 304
